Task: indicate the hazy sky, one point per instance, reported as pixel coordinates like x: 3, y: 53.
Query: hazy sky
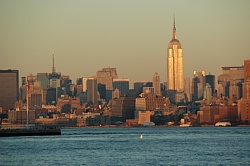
x: 131, y: 35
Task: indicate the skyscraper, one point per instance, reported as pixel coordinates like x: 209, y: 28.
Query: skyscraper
x: 44, y: 79
x: 247, y: 70
x: 122, y: 84
x: 9, y: 88
x: 174, y: 64
x: 244, y: 103
x: 92, y: 90
x: 186, y: 88
x: 198, y: 84
x: 231, y: 76
x: 211, y: 80
x: 54, y: 77
x: 106, y: 76
x: 157, y: 84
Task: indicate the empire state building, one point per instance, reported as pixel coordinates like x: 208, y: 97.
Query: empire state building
x: 174, y: 64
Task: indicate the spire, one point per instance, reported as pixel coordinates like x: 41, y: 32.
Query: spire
x: 174, y: 29
x: 53, y: 68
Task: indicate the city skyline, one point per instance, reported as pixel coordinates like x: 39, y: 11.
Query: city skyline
x: 130, y: 36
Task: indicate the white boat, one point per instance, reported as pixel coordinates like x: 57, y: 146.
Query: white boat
x: 141, y: 136
x: 185, y: 125
x: 222, y: 124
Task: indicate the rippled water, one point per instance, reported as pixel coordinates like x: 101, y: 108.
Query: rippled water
x: 123, y: 146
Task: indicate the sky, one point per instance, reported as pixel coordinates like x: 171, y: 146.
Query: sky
x: 130, y: 35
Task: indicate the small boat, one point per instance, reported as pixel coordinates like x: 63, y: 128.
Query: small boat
x: 223, y: 124
x: 185, y: 125
x: 141, y: 136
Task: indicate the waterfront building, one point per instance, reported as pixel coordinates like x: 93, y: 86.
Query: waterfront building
x: 151, y: 102
x: 157, y: 84
x: 124, y: 107
x: 174, y: 64
x: 143, y: 117
x: 211, y: 114
x: 9, y: 88
x: 16, y: 116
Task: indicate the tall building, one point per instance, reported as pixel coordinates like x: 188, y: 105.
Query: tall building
x: 84, y: 84
x: 231, y: 76
x: 247, y: 70
x: 43, y: 78
x: 148, y: 90
x: 186, y: 88
x: 210, y: 79
x: 198, y: 84
x: 207, y: 92
x: 106, y: 76
x: 157, y: 84
x: 122, y: 84
x: 92, y: 90
x: 54, y: 77
x: 9, y: 88
x: 102, y: 90
x: 23, y: 89
x: 244, y: 103
x: 174, y: 64
x: 138, y: 86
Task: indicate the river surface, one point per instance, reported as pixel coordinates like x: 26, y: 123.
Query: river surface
x: 123, y: 146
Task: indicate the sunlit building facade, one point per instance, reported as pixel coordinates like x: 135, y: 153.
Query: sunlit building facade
x: 244, y: 103
x: 157, y: 84
x: 174, y: 64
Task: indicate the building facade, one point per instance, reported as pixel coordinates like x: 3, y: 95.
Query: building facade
x: 124, y: 107
x: 157, y: 84
x: 244, y: 103
x: 231, y: 76
x: 9, y: 88
x: 106, y: 76
x: 92, y: 90
x: 174, y: 64
x: 122, y: 84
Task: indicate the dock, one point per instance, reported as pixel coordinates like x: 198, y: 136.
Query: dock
x: 29, y: 132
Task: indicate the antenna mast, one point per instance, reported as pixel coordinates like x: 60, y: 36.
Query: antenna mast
x: 53, y: 68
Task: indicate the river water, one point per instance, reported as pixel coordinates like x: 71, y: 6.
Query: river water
x: 123, y: 146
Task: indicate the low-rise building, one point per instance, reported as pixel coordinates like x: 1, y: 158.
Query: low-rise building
x: 211, y: 114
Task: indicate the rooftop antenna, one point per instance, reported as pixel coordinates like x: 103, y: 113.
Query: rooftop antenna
x: 174, y: 29
x: 53, y: 68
